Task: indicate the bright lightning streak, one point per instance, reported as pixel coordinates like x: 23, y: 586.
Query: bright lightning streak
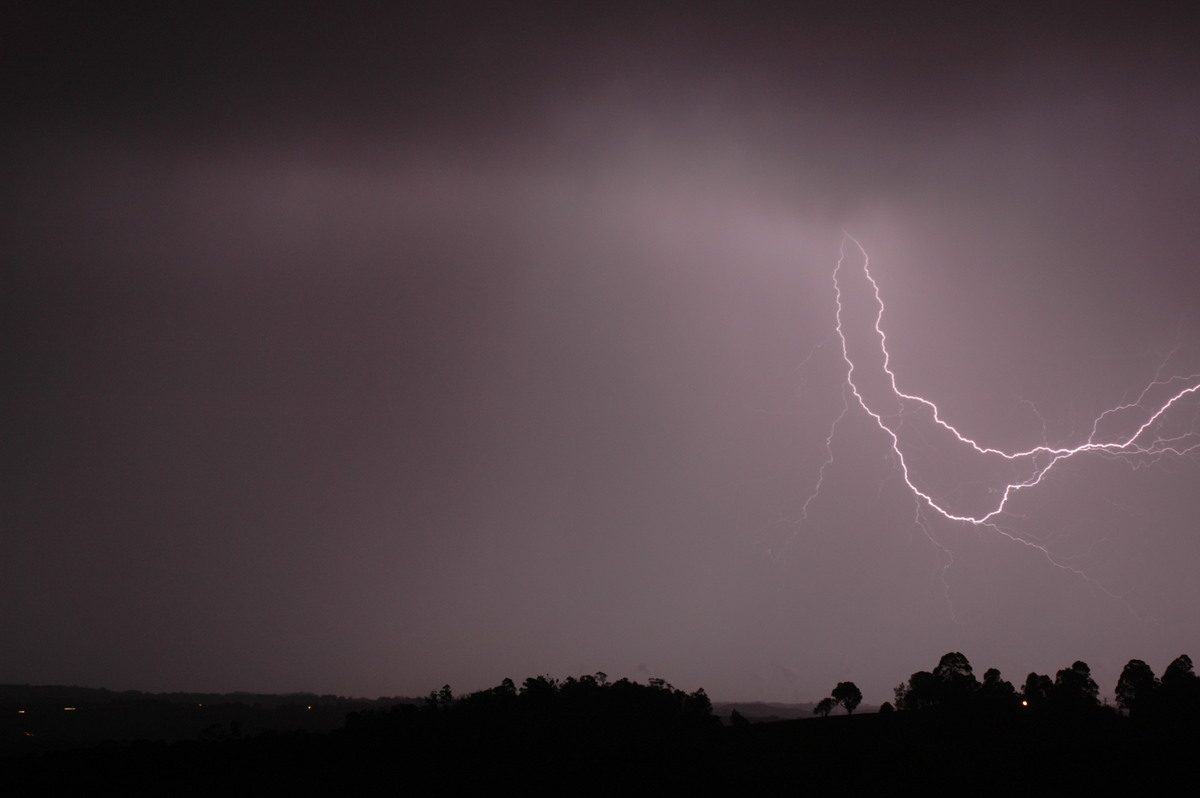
x: 1146, y: 442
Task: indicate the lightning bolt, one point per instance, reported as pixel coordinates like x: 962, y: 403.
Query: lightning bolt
x: 874, y: 387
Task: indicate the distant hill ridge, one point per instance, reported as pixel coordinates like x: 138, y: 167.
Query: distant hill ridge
x: 70, y: 695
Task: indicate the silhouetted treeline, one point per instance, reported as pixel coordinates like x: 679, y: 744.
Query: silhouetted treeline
x: 578, y: 725
x: 953, y: 688
x: 590, y: 735
x: 545, y: 735
x: 589, y: 705
x: 1173, y: 698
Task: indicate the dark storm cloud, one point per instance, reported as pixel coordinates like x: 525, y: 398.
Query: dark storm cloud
x: 363, y: 352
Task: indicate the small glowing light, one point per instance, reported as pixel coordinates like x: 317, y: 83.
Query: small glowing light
x: 309, y: 706
x: 20, y: 712
x: 70, y: 709
x: 1024, y: 703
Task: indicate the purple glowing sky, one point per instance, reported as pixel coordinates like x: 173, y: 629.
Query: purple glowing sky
x: 365, y: 352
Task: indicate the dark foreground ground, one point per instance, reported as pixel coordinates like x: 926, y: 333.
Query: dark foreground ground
x: 405, y: 751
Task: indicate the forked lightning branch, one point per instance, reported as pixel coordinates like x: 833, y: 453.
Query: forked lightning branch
x: 1139, y: 430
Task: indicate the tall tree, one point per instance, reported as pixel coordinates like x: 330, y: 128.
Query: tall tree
x: 1136, y: 687
x: 848, y: 695
x: 995, y: 693
x: 1037, y: 690
x: 951, y: 685
x: 1180, y: 693
x: 1178, y: 672
x: 957, y: 681
x: 922, y: 691
x: 1074, y: 688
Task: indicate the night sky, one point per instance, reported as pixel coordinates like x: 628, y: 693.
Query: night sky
x: 363, y: 351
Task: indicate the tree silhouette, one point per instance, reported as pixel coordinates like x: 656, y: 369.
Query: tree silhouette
x: 996, y: 694
x: 920, y: 692
x: 956, y: 680
x: 952, y: 685
x: 1136, y: 687
x: 824, y: 707
x: 848, y: 695
x: 1037, y: 690
x: 1178, y: 673
x: 953, y: 665
x: 1180, y: 690
x: 1074, y: 688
